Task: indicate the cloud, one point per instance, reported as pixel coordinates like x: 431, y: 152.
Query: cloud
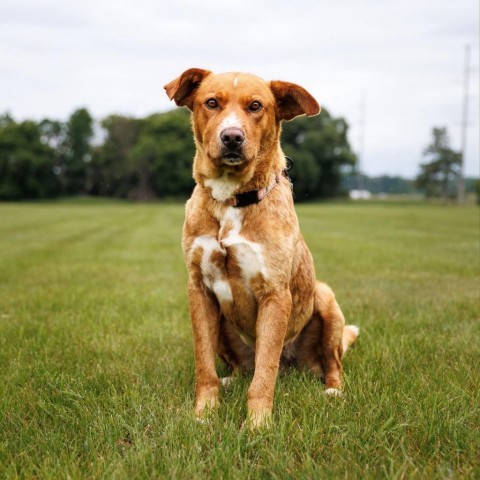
x: 115, y: 56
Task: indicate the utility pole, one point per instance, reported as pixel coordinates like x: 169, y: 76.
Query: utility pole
x: 361, y: 138
x: 463, y: 148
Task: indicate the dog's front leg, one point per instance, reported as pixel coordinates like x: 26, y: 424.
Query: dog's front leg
x: 205, y: 316
x: 272, y: 320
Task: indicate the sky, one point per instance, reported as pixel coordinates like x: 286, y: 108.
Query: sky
x: 404, y: 58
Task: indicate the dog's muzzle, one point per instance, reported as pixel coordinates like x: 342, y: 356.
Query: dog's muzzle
x: 232, y: 139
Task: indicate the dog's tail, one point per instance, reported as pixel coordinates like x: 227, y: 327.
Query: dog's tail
x: 350, y: 334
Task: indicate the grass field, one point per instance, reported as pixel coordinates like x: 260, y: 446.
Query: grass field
x: 96, y: 360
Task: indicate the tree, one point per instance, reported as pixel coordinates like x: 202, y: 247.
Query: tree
x: 141, y: 162
x: 26, y: 162
x: 320, y: 149
x: 78, y: 150
x: 145, y: 158
x: 54, y: 134
x: 171, y: 150
x: 110, y: 172
x: 437, y: 177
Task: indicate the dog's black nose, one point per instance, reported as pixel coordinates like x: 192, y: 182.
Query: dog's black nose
x: 232, y: 137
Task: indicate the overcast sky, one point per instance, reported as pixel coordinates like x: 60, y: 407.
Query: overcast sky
x: 114, y: 56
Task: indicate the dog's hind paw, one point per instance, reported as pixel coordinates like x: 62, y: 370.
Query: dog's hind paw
x: 203, y: 421
x: 227, y: 381
x: 333, y: 392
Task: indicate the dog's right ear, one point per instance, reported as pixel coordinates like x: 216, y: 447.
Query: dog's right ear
x: 183, y: 88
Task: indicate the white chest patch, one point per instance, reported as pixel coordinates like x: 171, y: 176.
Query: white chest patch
x: 213, y: 275
x: 222, y: 187
x: 248, y: 254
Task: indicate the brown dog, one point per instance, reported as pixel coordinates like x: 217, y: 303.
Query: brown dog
x: 254, y: 299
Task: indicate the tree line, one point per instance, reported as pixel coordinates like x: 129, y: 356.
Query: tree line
x: 148, y: 158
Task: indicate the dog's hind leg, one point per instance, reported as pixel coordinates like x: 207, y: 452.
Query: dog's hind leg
x: 308, y: 346
x: 330, y: 347
x: 325, y: 339
x: 335, y: 337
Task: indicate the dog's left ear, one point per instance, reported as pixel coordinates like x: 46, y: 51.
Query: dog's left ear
x: 182, y: 89
x: 292, y: 100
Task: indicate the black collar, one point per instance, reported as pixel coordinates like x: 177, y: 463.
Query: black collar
x: 245, y: 199
x: 253, y: 196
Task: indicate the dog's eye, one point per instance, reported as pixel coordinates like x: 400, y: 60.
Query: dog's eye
x: 255, y: 106
x: 211, y: 103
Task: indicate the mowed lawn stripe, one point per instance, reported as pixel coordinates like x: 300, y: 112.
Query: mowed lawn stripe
x: 97, y: 357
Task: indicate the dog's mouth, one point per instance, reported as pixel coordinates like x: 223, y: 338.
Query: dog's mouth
x: 232, y: 158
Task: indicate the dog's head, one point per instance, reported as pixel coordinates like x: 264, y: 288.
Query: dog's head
x: 237, y: 116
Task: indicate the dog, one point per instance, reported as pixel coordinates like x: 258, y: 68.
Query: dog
x: 253, y: 296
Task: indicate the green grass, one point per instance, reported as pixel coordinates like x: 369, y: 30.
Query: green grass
x: 96, y: 360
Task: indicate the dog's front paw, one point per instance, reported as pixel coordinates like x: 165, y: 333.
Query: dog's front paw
x: 333, y: 392
x: 259, y: 419
x: 204, y: 420
x: 206, y: 401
